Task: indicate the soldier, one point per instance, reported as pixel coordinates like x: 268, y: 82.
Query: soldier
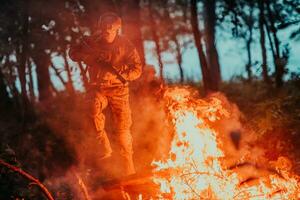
x: 112, y: 62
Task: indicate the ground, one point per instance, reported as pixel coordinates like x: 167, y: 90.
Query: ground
x: 52, y: 142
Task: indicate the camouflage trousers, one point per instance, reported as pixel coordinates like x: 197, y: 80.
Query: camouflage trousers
x: 118, y: 100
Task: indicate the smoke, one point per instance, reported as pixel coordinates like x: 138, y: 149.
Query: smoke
x: 71, y: 148
x: 150, y: 131
x: 236, y: 140
x: 152, y: 135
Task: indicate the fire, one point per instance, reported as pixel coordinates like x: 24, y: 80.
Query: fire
x: 194, y: 170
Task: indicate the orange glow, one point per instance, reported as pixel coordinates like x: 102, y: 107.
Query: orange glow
x: 193, y: 169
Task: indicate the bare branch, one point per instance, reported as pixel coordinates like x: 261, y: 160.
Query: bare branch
x: 28, y: 176
x: 58, y: 75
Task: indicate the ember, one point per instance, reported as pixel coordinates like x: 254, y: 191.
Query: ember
x: 194, y: 167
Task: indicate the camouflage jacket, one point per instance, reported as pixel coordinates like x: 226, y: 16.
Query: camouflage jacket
x: 109, y: 65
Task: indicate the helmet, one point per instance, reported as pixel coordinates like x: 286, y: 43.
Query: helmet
x: 110, y: 18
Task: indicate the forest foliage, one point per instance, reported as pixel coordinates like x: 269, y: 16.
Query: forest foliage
x: 36, y: 116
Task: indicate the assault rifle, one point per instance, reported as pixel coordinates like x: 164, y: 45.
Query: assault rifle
x: 107, y: 65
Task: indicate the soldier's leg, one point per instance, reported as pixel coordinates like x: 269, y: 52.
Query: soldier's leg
x: 98, y: 103
x: 122, y: 120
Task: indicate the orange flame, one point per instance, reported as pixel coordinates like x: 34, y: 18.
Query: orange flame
x: 193, y: 169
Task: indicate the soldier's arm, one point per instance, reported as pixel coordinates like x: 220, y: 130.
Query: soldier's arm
x: 132, y: 65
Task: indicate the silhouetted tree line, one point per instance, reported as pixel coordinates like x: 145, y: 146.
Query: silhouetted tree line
x: 33, y: 33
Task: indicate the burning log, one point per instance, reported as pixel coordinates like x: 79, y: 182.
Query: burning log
x: 127, y: 188
x: 136, y: 180
x: 29, y: 177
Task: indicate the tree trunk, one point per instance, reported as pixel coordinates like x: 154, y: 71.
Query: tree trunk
x: 83, y: 74
x: 38, y: 53
x: 22, y: 57
x: 70, y: 86
x: 198, y: 37
x: 12, y: 84
x: 42, y: 61
x: 270, y: 41
x: 179, y: 58
x: 211, y: 50
x: 263, y: 42
x: 250, y: 21
x: 30, y: 83
x: 279, y: 65
x: 156, y: 41
x: 248, y: 46
x: 132, y: 24
x: 249, y: 64
x: 174, y: 38
x: 4, y: 97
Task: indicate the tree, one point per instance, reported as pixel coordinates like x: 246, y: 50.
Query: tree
x: 210, y: 20
x: 272, y: 17
x: 14, y: 39
x: 175, y: 16
x: 22, y: 51
x: 278, y: 12
x: 198, y: 37
x: 263, y: 41
x: 41, y: 32
x: 249, y: 21
x: 154, y: 32
x: 4, y: 96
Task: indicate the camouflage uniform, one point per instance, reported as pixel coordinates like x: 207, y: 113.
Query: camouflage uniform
x: 105, y: 61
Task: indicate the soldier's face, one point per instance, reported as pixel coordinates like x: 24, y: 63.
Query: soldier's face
x: 109, y: 31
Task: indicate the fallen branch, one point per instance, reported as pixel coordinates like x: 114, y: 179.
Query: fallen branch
x: 28, y: 176
x: 83, y: 187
